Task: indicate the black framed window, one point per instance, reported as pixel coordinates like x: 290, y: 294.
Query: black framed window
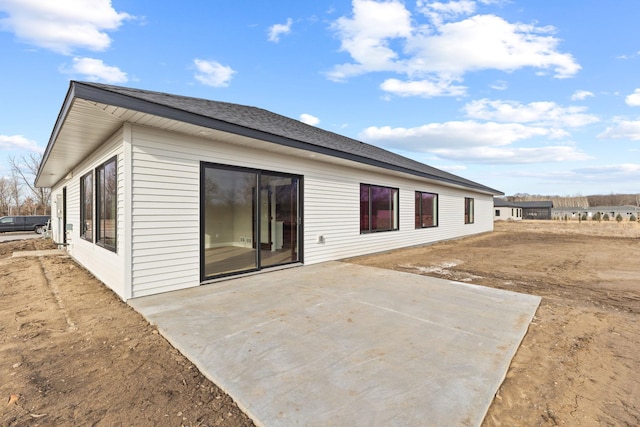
x: 426, y: 210
x: 250, y: 219
x: 106, y: 204
x: 468, y: 210
x: 378, y: 208
x: 86, y: 206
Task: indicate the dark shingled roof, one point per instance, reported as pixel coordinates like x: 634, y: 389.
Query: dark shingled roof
x: 263, y: 124
x: 542, y: 204
x: 501, y: 203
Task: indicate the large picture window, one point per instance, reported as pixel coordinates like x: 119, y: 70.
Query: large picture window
x: 468, y: 210
x: 86, y: 207
x: 378, y: 208
x: 426, y: 210
x: 106, y: 204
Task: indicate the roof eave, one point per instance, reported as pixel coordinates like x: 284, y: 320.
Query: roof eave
x: 62, y: 115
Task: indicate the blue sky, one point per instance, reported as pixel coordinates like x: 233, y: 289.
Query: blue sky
x: 536, y: 96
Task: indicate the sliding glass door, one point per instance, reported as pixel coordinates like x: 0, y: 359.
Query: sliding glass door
x: 250, y: 219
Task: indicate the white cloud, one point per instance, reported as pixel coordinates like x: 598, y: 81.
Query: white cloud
x: 623, y: 129
x: 212, y: 73
x: 542, y: 113
x: 275, y: 31
x: 581, y: 95
x: 477, y: 142
x: 62, y: 26
x: 624, y: 169
x: 633, y: 100
x: 453, y: 168
x: 97, y: 71
x: 309, y: 119
x: 598, y: 179
x: 500, y: 85
x: 456, y: 135
x: 423, y: 88
x: 438, y: 12
x: 366, y: 36
x: 384, y: 36
x: 626, y: 56
x: 513, y: 155
x: 484, y: 42
x: 18, y: 142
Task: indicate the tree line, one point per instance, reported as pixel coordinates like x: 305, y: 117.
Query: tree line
x: 18, y: 193
x: 580, y: 201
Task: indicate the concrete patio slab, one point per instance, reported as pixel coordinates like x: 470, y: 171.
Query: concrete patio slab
x: 343, y: 344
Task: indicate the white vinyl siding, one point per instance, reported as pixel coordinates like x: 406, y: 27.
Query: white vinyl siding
x: 165, y: 189
x: 164, y: 213
x: 508, y: 214
x: 106, y: 265
x: 159, y: 207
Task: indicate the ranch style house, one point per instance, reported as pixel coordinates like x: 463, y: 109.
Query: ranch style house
x: 153, y: 192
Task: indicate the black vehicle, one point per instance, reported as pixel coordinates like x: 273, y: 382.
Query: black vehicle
x: 37, y: 223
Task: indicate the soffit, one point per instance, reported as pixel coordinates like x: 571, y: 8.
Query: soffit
x: 81, y: 132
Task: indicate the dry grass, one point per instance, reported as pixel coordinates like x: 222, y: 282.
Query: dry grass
x: 624, y: 229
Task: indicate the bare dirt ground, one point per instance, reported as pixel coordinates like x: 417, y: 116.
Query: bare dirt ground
x: 579, y: 364
x: 72, y: 353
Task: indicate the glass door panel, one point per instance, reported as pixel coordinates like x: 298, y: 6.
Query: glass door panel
x: 229, y: 237
x: 279, y: 219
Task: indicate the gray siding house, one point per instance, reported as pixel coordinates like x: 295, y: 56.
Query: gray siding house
x: 154, y: 192
x: 536, y: 210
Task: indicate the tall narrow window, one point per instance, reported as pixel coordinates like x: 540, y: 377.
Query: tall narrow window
x: 106, y: 204
x: 86, y: 207
x: 426, y: 210
x: 378, y: 208
x: 468, y: 210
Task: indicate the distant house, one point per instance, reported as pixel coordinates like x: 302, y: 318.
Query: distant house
x: 611, y: 211
x: 156, y: 192
x: 506, y: 211
x: 536, y: 210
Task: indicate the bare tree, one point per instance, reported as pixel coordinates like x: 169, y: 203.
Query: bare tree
x: 5, y: 196
x: 580, y: 201
x: 14, y: 193
x: 29, y: 207
x: 26, y: 167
